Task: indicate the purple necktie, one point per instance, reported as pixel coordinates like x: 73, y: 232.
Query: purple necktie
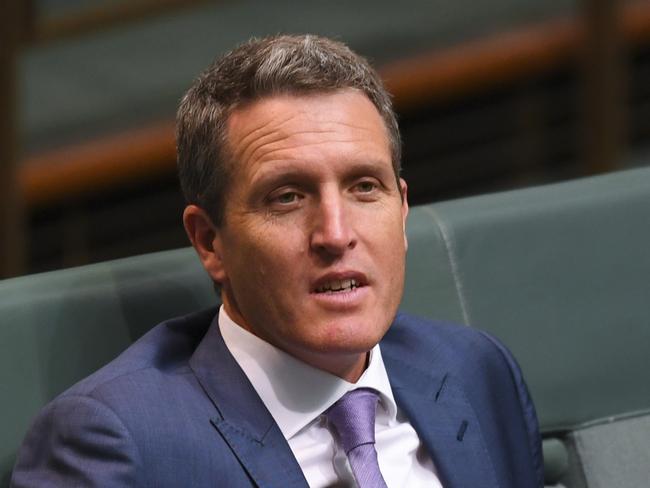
x: 353, y: 417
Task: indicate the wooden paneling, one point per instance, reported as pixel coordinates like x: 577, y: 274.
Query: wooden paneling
x: 101, y: 16
x: 604, y: 68
x: 11, y: 211
x: 83, y: 169
x: 472, y: 67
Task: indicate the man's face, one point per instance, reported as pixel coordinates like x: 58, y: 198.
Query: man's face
x: 312, y: 245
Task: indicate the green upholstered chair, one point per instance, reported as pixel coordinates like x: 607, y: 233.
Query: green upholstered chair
x: 56, y: 328
x: 560, y: 273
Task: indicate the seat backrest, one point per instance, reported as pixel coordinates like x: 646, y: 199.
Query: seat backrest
x: 560, y: 273
x: 56, y: 328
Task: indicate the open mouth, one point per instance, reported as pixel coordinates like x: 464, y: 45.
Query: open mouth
x: 338, y: 286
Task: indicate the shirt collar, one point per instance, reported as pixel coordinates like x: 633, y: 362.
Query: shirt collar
x: 294, y: 392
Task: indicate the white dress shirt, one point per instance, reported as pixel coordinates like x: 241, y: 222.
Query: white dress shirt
x: 296, y: 394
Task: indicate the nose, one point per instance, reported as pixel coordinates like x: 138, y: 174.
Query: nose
x: 332, y: 231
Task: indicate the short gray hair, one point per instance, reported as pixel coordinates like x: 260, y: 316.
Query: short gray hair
x: 284, y: 64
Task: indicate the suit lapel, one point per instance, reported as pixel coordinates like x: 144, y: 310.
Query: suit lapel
x: 445, y: 421
x: 242, y: 419
x: 435, y: 403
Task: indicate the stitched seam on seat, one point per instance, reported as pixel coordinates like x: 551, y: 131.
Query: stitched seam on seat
x: 611, y: 419
x: 446, y: 239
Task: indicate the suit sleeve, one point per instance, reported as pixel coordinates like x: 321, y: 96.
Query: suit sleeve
x: 527, y: 408
x: 77, y: 441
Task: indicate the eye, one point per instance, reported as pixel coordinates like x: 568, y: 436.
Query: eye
x: 286, y: 198
x: 366, y: 186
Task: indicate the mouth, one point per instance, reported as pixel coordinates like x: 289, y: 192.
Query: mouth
x: 339, y: 283
x: 337, y: 286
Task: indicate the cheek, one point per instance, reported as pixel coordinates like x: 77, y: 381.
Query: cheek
x: 390, y: 256
x: 388, y: 234
x: 270, y: 256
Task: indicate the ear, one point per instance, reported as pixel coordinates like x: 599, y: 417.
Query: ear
x: 206, y: 239
x: 405, y: 209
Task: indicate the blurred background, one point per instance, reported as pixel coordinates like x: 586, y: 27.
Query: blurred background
x: 491, y: 95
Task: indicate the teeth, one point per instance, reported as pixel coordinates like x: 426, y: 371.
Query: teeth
x: 338, y: 285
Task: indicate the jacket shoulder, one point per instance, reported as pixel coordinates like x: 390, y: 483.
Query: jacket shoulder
x: 482, y: 366
x: 115, y: 426
x: 418, y: 334
x: 470, y: 354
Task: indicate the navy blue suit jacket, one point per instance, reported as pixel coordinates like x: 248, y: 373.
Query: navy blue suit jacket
x: 176, y: 410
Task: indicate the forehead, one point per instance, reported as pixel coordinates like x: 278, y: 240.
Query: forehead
x: 315, y: 106
x: 282, y: 127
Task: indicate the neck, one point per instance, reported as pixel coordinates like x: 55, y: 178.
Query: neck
x: 348, y: 367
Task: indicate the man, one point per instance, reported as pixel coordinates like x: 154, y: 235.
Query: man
x: 289, y: 158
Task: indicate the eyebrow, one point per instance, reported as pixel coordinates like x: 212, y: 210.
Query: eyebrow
x: 288, y: 171
x: 371, y: 167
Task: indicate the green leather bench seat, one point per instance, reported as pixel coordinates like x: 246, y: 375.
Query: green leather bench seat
x: 56, y: 328
x: 560, y: 273
x: 91, y: 85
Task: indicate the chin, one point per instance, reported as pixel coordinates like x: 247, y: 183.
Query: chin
x: 353, y: 339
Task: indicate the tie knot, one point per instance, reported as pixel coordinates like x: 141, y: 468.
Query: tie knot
x: 353, y: 417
